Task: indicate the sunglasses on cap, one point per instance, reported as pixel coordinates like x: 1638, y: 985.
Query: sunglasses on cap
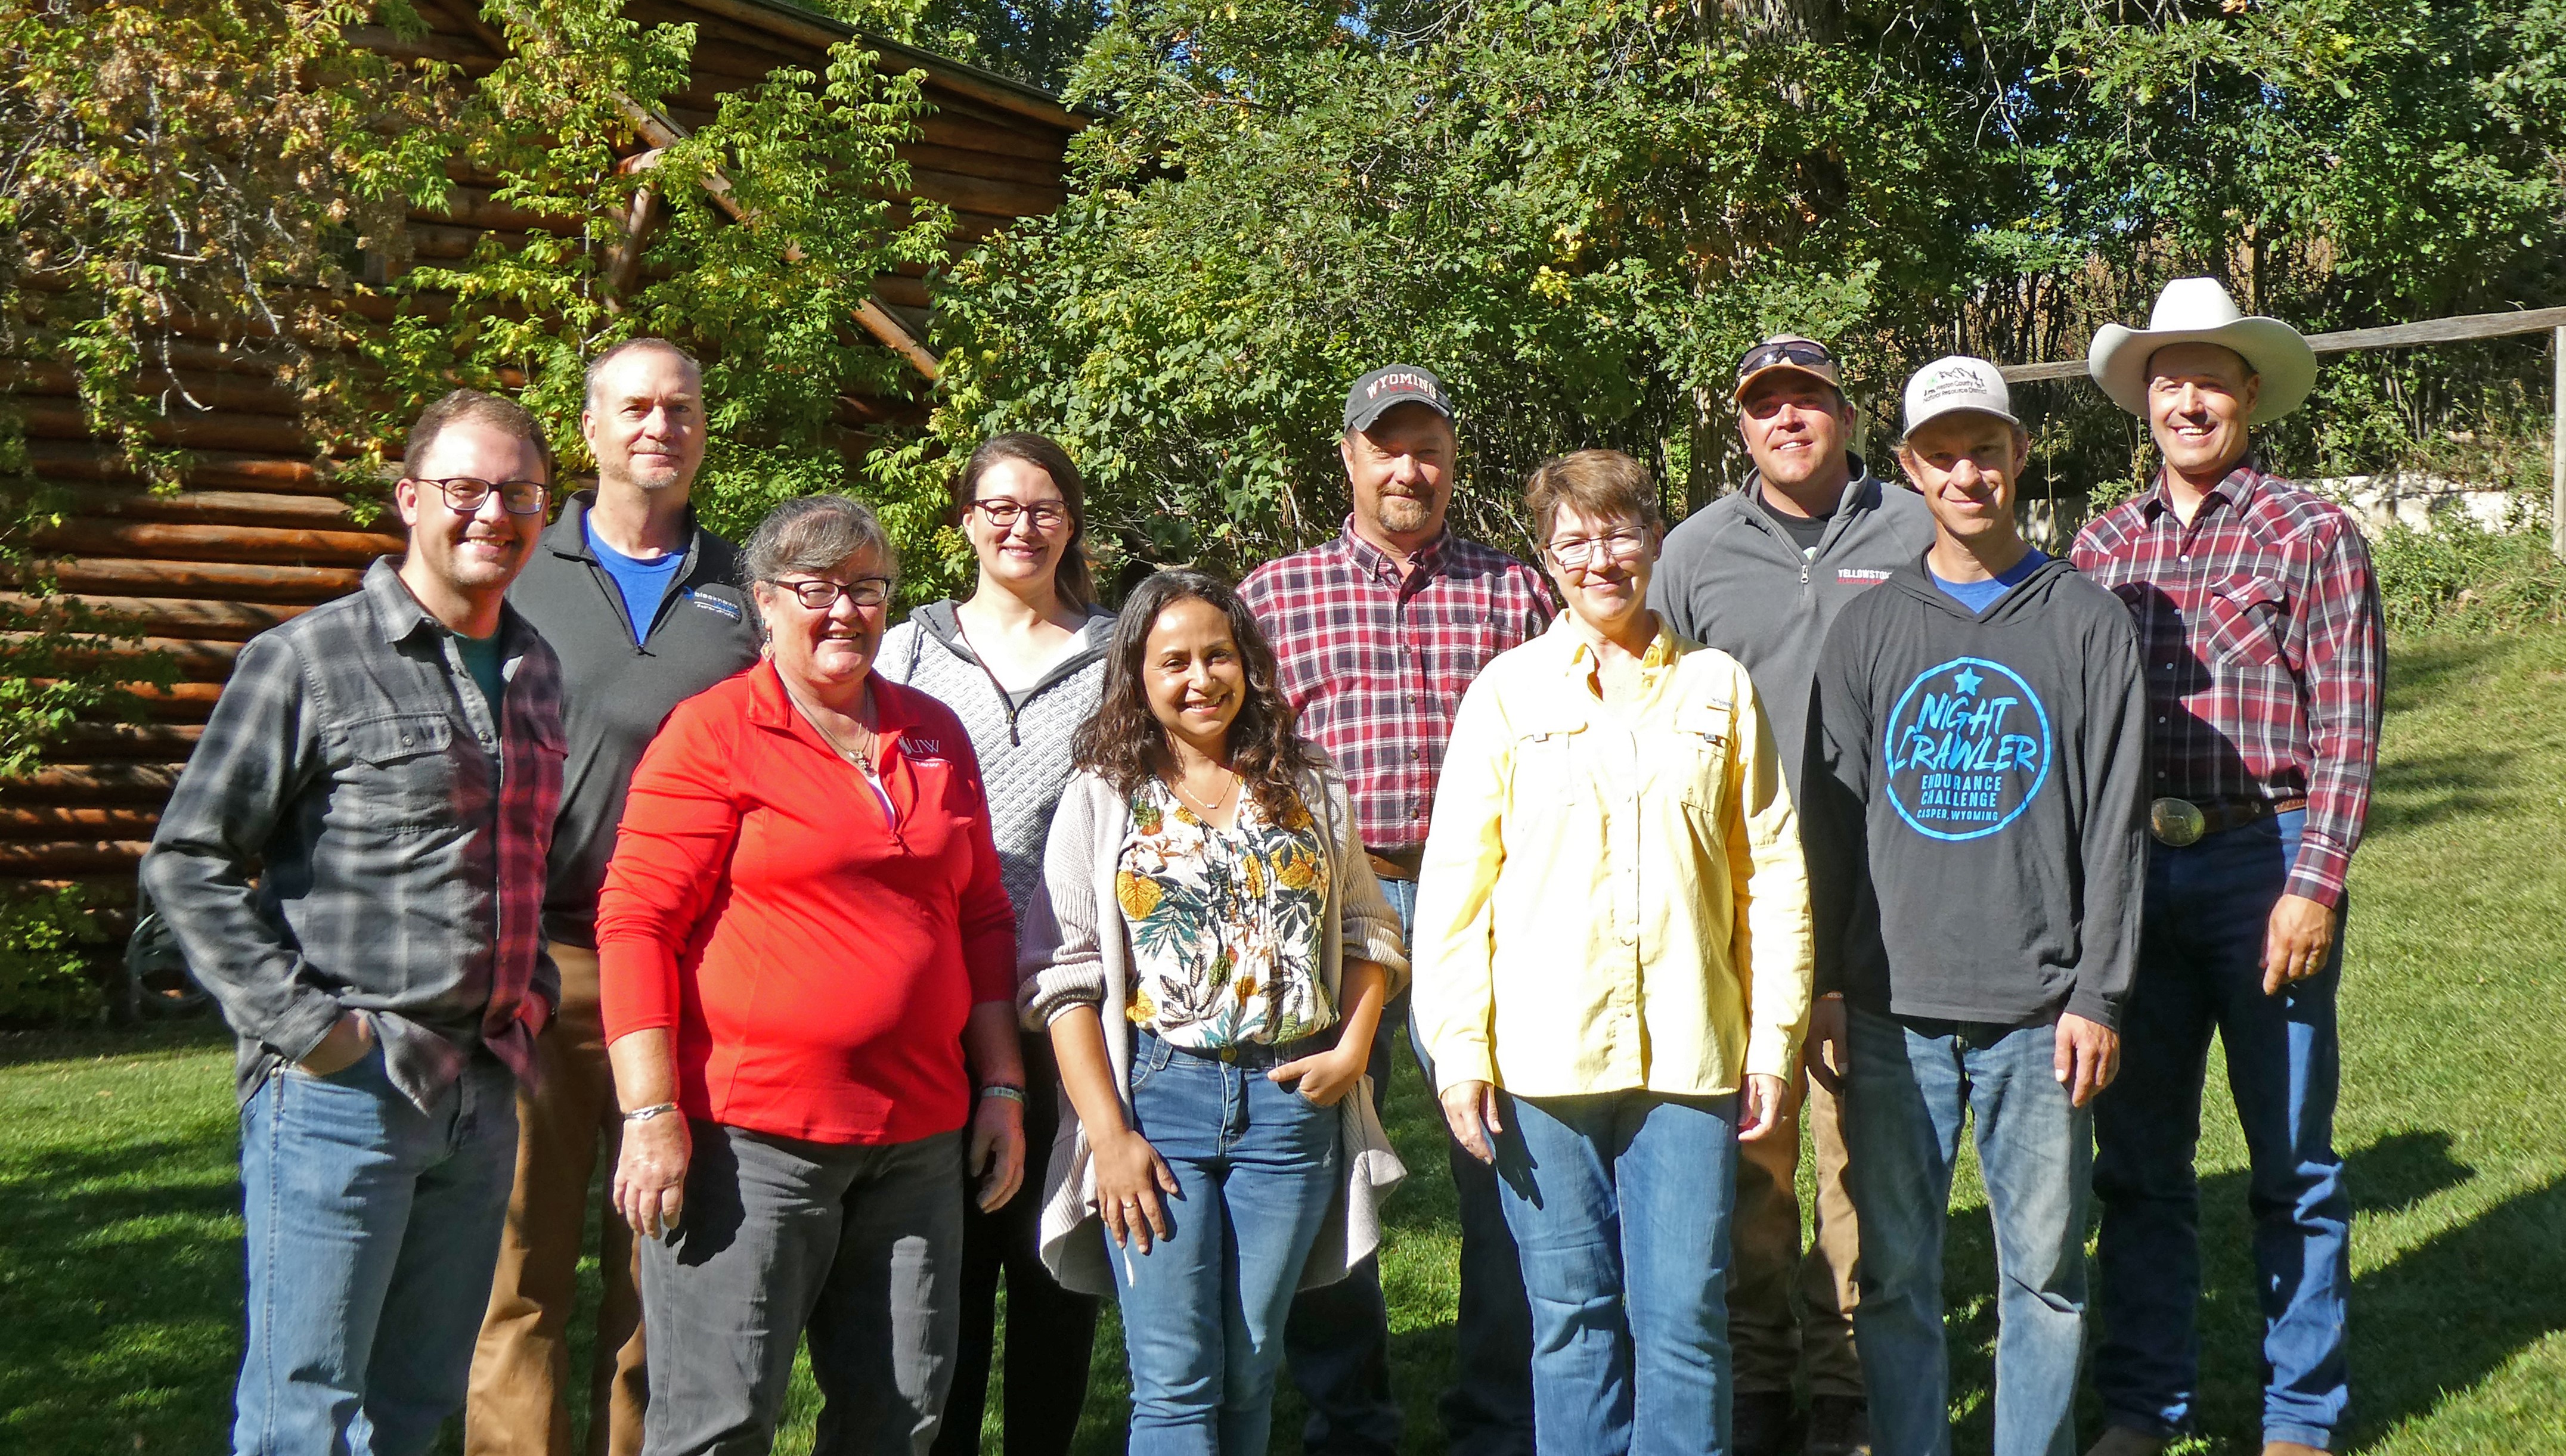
x: 1783, y: 352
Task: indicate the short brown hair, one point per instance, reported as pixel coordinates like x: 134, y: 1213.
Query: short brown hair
x: 1073, y: 579
x: 815, y: 532
x: 504, y: 416
x: 1604, y: 485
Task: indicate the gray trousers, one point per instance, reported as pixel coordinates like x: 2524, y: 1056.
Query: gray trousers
x: 863, y: 1246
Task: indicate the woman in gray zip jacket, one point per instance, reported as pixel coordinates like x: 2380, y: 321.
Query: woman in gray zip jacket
x: 1021, y: 660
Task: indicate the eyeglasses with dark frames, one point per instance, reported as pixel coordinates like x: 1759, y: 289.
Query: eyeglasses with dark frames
x: 1577, y: 552
x: 1002, y: 513
x: 465, y: 494
x: 821, y: 595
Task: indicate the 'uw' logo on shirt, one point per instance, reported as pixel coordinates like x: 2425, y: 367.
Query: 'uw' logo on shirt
x: 1969, y: 745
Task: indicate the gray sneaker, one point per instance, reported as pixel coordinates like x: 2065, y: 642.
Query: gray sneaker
x: 1839, y: 1425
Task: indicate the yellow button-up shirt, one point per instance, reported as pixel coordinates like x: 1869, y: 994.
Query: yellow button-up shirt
x: 1611, y: 898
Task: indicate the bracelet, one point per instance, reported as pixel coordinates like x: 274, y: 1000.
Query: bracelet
x: 1006, y: 1090
x: 644, y: 1114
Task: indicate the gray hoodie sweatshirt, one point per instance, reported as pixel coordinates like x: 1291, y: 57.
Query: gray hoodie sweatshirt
x: 1976, y: 823
x: 1730, y: 578
x: 1022, y: 740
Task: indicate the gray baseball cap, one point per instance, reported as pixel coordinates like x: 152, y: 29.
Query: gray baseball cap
x: 1956, y: 382
x: 1383, y: 389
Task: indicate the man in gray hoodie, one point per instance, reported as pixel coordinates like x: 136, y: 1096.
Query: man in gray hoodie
x: 1978, y: 840
x: 1761, y: 573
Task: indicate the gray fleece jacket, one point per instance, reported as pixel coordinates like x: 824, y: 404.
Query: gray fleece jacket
x: 1730, y: 578
x: 1022, y: 740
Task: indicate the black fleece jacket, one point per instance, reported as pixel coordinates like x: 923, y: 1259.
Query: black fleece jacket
x: 1974, y: 817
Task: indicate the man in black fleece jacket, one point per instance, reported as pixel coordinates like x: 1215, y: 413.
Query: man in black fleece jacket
x: 1977, y: 852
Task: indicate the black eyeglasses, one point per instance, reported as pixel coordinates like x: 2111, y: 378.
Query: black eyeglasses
x: 517, y: 497
x: 1787, y: 350
x: 1001, y: 513
x: 820, y: 596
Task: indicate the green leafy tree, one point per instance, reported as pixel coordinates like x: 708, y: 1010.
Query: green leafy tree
x: 1576, y: 212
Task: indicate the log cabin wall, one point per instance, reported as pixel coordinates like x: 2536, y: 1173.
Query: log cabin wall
x: 258, y: 534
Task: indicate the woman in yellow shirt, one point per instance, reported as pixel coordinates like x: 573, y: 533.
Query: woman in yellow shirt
x: 1613, y: 969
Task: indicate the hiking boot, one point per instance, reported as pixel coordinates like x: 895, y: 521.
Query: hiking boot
x: 1759, y: 1423
x: 2122, y: 1441
x: 1839, y: 1425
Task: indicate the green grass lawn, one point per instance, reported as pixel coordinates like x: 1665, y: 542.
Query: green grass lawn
x: 119, y: 1268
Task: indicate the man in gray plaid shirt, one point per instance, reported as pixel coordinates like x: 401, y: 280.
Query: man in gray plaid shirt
x: 354, y: 864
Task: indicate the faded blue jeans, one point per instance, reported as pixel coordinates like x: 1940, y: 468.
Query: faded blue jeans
x: 2200, y: 971
x: 1620, y: 1206
x: 1913, y: 1083
x: 1257, y: 1165
x: 368, y: 1217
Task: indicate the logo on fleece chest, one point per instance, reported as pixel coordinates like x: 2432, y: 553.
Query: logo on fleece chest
x: 1967, y: 747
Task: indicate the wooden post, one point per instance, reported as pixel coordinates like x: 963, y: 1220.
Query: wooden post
x: 2557, y: 452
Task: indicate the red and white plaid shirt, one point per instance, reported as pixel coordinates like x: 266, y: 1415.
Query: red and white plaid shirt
x: 2259, y: 627
x: 1376, y: 664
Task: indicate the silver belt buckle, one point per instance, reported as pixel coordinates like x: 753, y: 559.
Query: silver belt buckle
x: 2176, y: 823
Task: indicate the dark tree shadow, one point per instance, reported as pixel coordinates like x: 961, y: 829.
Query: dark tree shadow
x: 2408, y: 791
x: 2440, y: 1320
x: 123, y: 1295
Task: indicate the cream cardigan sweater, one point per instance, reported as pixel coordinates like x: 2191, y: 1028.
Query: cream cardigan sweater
x: 1076, y: 950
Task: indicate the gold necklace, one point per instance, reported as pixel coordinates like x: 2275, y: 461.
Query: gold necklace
x: 861, y: 758
x: 1202, y: 811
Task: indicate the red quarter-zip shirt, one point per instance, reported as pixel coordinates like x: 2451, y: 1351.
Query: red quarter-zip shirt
x: 814, y: 960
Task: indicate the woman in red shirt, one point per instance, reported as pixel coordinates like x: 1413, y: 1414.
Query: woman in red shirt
x: 808, y: 969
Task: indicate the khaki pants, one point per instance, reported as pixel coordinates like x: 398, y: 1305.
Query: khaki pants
x: 1772, y: 1340
x: 519, y: 1402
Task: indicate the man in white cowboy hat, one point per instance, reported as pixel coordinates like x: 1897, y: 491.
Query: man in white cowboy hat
x: 2259, y: 631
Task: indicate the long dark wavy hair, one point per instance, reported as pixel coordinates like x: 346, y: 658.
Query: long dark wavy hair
x: 1124, y: 743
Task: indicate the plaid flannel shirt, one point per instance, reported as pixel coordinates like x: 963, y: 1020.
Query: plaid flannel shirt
x: 2260, y: 629
x: 1374, y: 665
x: 354, y: 833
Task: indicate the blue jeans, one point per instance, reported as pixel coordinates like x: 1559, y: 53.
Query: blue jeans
x: 1256, y: 1166
x: 1913, y: 1082
x: 368, y: 1215
x: 1620, y: 1205
x: 2200, y: 972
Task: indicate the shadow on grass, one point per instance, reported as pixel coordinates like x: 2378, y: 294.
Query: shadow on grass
x: 2422, y: 670
x: 88, y: 1043
x: 2440, y: 1320
x: 122, y: 1276
x: 2410, y: 791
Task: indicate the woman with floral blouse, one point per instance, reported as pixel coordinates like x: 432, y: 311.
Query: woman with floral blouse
x: 1210, y: 955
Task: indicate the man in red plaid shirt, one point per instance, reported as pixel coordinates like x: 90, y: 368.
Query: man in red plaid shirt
x: 2259, y: 632
x: 1378, y: 633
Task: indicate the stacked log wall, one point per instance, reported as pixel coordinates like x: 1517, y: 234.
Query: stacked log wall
x: 258, y: 533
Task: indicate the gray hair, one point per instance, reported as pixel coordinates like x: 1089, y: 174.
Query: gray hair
x: 597, y: 365
x: 815, y: 532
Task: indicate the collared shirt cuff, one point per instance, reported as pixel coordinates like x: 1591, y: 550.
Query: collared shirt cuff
x: 1770, y: 1053
x: 1468, y: 1062
x: 300, y: 1031
x: 2319, y: 873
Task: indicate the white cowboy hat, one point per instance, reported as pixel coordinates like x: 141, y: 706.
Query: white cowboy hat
x: 2198, y: 311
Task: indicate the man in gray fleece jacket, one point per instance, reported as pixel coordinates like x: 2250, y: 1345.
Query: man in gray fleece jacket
x: 1979, y: 851
x: 1760, y: 574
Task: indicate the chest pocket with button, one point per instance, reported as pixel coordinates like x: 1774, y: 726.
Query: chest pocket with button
x: 1548, y: 774
x: 1694, y: 763
x: 401, y: 774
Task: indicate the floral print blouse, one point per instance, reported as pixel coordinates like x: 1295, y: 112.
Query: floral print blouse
x: 1225, y: 924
